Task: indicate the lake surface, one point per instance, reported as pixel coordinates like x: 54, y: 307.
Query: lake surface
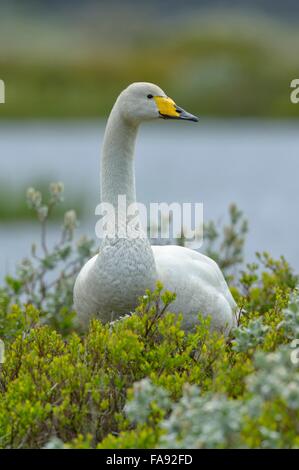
x: 252, y: 163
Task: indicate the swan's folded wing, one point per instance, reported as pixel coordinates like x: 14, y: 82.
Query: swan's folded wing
x: 191, y: 263
x: 192, y: 274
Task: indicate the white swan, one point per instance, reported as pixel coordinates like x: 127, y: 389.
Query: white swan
x: 110, y: 283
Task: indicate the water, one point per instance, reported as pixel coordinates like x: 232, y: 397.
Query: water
x: 252, y: 163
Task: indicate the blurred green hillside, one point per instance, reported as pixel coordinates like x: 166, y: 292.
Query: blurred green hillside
x: 217, y: 64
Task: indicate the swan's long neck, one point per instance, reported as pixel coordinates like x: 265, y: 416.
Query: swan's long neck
x: 117, y: 164
x: 125, y: 266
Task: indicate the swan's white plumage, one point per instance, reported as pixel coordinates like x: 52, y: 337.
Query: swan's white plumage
x: 198, y: 283
x: 110, y: 283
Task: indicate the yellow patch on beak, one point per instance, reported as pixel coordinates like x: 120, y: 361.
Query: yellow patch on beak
x: 166, y: 106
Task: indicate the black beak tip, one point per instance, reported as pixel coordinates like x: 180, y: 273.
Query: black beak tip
x: 184, y: 115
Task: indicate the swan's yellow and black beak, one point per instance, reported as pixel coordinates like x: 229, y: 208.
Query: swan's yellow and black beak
x: 169, y: 110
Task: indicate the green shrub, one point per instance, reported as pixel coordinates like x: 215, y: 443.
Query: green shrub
x: 46, y: 278
x: 142, y: 381
x: 75, y: 388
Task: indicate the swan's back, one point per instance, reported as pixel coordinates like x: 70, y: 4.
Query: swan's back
x: 199, y: 284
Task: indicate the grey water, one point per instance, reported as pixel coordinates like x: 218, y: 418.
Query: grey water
x: 252, y: 163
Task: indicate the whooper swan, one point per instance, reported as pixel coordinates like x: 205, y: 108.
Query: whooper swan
x: 109, y: 284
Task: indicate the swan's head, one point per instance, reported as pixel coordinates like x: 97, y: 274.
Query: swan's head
x: 145, y: 101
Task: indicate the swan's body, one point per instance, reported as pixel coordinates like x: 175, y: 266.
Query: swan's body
x: 110, y: 283
x: 199, y: 284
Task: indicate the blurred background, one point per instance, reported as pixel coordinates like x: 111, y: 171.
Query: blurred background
x: 230, y: 62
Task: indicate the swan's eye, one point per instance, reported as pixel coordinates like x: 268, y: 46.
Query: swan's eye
x: 150, y: 96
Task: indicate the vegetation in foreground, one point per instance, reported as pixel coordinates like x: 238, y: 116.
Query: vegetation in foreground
x: 142, y: 382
